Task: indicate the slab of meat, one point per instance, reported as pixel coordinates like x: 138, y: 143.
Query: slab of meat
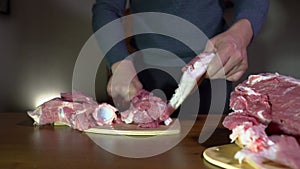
x: 283, y: 150
x: 74, y: 109
x: 82, y: 112
x: 192, y: 72
x: 146, y: 110
x: 264, y: 105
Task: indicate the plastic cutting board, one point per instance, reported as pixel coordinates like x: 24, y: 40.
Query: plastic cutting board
x: 132, y: 129
x: 223, y: 156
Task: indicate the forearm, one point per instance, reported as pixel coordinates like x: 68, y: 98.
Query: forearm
x: 105, y: 12
x: 255, y: 11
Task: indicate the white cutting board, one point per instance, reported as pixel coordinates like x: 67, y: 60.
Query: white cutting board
x: 133, y: 130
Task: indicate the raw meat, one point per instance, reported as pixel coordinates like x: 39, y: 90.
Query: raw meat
x: 284, y: 150
x: 192, y: 72
x: 264, y: 105
x: 74, y: 109
x: 146, y: 110
x: 82, y: 112
x: 271, y: 99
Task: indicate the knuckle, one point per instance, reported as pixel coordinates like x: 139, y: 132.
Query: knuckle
x: 232, y: 46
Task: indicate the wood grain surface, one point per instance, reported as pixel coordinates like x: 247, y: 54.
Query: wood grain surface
x: 24, y: 146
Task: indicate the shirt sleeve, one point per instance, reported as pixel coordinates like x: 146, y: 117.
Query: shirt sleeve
x: 254, y: 10
x: 104, y: 12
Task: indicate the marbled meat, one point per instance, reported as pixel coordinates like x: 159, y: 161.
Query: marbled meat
x: 265, y: 107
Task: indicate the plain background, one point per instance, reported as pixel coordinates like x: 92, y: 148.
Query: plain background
x: 41, y: 40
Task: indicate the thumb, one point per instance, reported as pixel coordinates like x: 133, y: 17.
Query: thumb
x: 108, y: 87
x: 210, y: 47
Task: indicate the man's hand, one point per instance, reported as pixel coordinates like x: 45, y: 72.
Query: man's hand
x: 123, y: 84
x: 231, y: 49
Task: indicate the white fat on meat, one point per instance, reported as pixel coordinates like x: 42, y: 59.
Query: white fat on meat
x: 251, y: 136
x: 248, y: 90
x: 189, y: 78
x: 127, y: 116
x: 253, y: 79
x: 262, y: 117
x: 235, y: 105
x: 258, y: 78
x: 35, y: 115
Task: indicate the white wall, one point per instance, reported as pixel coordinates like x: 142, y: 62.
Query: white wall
x: 39, y: 44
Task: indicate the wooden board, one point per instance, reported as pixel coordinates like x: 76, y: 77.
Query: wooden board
x: 223, y: 156
x: 132, y: 129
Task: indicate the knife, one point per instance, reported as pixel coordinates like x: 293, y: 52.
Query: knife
x: 192, y: 72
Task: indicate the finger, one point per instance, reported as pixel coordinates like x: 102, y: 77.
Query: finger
x: 132, y: 92
x: 108, y: 88
x: 222, y: 74
x: 210, y: 45
x: 236, y: 76
x: 216, y: 64
x: 223, y: 59
x: 241, y: 67
x: 233, y: 65
x: 120, y: 103
x: 219, y: 75
x: 137, y: 84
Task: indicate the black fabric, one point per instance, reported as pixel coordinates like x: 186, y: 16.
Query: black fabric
x: 207, y: 15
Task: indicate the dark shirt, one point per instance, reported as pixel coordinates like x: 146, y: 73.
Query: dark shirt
x: 207, y: 15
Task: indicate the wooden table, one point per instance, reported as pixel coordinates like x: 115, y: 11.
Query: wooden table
x: 23, y: 146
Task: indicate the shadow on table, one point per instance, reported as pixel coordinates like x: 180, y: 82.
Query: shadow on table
x: 219, y: 137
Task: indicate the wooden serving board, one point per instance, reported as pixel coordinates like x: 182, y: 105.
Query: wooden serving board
x: 223, y: 156
x: 133, y: 130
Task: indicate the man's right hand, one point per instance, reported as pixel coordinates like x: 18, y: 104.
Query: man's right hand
x: 123, y: 84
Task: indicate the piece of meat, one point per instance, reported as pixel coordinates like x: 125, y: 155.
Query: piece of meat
x: 288, y: 151
x: 284, y: 150
x: 146, y: 110
x: 192, y: 72
x: 264, y: 106
x: 271, y: 98
x: 74, y: 109
x: 252, y: 137
x: 78, y: 97
x: 236, y: 119
x: 245, y: 100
